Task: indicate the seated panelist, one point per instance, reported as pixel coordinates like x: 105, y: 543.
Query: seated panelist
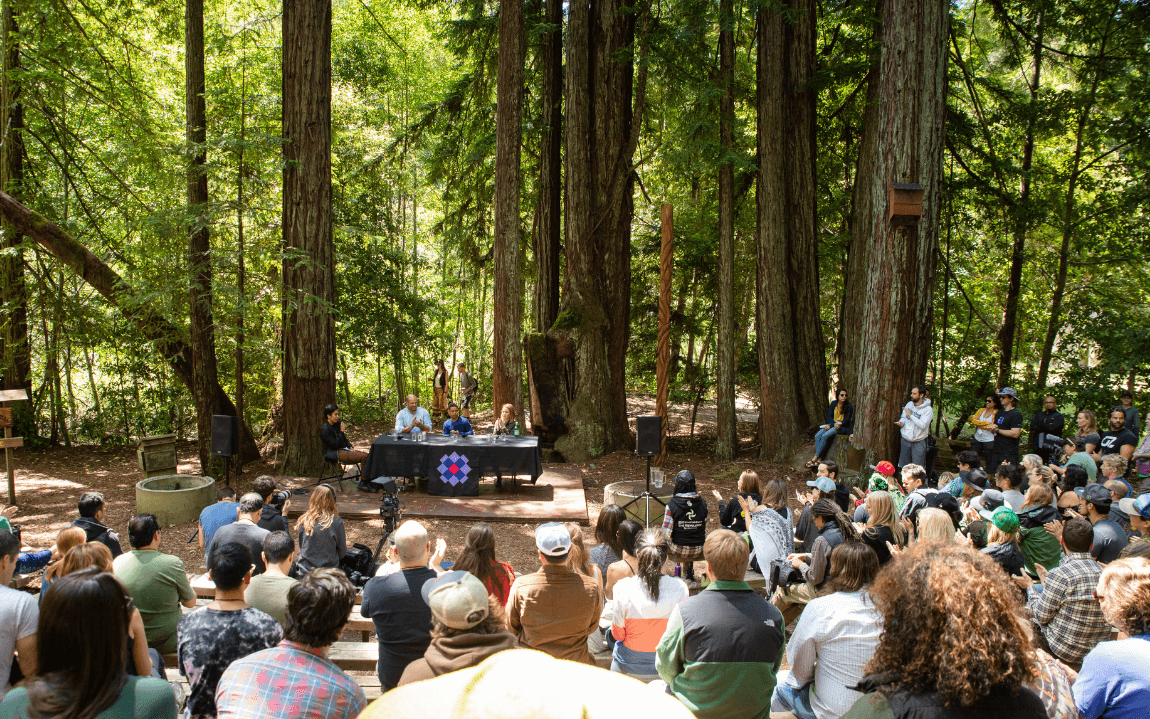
x: 456, y: 425
x: 412, y: 419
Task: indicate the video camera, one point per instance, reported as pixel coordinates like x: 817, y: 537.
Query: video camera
x: 390, y: 508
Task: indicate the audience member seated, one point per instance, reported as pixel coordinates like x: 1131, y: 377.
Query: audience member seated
x: 269, y: 591
x: 555, y: 609
x: 1008, y: 479
x: 66, y: 538
x: 642, y: 605
x: 1117, y: 494
x: 156, y: 581
x: 395, y: 605
x: 91, y: 506
x: 478, y: 558
x: 686, y: 522
x: 468, y: 625
x: 245, y: 531
x: 1076, y: 455
x: 967, y: 461
x: 882, y: 527
x: 30, y: 560
x: 935, y: 525
x: 770, y: 526
x: 834, y: 529
x: 1038, y: 545
x: 951, y: 644
x: 840, y: 420
x: 1114, y: 682
x: 321, y: 536
x: 579, y: 558
x: 1109, y: 539
x: 1138, y: 509
x: 455, y: 424
x: 628, y: 537
x: 18, y: 616
x: 1002, y: 540
x: 607, y: 550
x: 805, y: 530
x: 296, y: 678
x: 1063, y: 607
x: 914, y: 482
x: 211, y: 638
x: 843, y: 498
x: 81, y: 650
x: 723, y: 646
x: 214, y: 516
x: 834, y: 639
x: 271, y: 516
x: 731, y: 514
x: 141, y: 660
x: 526, y: 683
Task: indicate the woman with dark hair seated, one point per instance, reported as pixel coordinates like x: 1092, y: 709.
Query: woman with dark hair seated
x: 643, y: 603
x: 627, y: 537
x: 685, y: 522
x: 82, y: 646
x: 478, y: 558
x: 607, y: 549
x: 769, y: 525
x: 952, y: 645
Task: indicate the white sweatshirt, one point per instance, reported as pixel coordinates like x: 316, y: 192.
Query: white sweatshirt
x: 916, y: 427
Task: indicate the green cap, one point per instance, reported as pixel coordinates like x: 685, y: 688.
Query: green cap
x: 1004, y: 518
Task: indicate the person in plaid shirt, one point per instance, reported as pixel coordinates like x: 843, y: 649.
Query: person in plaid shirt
x: 296, y: 680
x: 1065, y: 610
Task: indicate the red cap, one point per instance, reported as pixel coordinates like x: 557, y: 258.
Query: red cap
x: 885, y: 467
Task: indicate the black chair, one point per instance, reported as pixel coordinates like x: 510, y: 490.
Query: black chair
x: 336, y: 468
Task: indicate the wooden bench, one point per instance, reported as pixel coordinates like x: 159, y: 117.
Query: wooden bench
x: 348, y: 656
x: 357, y: 622
x: 369, y: 683
x: 205, y: 588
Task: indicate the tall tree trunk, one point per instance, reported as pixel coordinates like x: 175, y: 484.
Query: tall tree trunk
x: 792, y: 364
x: 507, y: 382
x: 308, y: 270
x: 725, y: 342
x: 203, y: 334
x: 16, y: 372
x: 1021, y: 220
x: 886, y: 325
x: 545, y: 236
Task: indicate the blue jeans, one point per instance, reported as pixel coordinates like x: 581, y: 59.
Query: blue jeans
x: 824, y: 439
x: 796, y: 700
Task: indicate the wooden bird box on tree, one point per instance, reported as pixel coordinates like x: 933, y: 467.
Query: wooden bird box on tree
x: 905, y: 203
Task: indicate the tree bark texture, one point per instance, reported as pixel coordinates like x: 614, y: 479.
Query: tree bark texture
x: 546, y: 244
x: 203, y: 335
x: 886, y: 328
x: 16, y: 372
x: 308, y: 265
x: 725, y: 341
x: 507, y: 385
x: 792, y: 362
x: 167, y: 338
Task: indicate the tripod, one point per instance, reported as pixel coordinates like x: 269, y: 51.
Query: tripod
x: 646, y: 494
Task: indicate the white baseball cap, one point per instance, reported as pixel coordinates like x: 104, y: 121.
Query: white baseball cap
x: 553, y: 539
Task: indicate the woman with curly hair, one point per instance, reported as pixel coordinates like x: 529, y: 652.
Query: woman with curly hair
x: 953, y: 645
x: 1113, y: 682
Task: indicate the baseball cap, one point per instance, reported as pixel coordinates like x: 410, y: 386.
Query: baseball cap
x: 944, y: 501
x: 1139, y: 505
x: 988, y: 501
x: 885, y: 467
x: 975, y: 479
x: 823, y: 484
x: 457, y: 598
x: 1095, y: 493
x: 552, y: 539
x: 1009, y: 391
x: 1004, y: 518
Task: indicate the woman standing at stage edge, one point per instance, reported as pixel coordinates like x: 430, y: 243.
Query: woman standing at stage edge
x: 439, y: 385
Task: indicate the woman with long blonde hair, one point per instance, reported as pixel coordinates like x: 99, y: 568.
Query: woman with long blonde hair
x: 883, y: 525
x: 321, y: 535
x: 579, y: 558
x: 935, y: 525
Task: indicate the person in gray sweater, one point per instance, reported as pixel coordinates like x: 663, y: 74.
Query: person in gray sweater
x: 321, y: 536
x: 245, y: 531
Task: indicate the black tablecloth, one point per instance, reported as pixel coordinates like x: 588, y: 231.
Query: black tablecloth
x: 454, y: 465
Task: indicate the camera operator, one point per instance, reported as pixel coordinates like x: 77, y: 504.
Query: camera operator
x: 1046, y: 423
x: 1075, y: 449
x: 275, y: 504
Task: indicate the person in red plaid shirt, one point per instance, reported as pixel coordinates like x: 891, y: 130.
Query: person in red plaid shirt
x: 296, y: 680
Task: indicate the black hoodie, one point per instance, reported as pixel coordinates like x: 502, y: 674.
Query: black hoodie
x: 97, y: 532
x: 688, y: 513
x: 272, y: 520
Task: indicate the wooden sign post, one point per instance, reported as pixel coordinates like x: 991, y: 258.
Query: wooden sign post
x: 9, y: 442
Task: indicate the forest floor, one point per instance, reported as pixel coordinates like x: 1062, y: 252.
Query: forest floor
x: 49, y: 481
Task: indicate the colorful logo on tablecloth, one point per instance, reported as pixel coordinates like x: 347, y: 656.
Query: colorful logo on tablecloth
x: 453, y: 468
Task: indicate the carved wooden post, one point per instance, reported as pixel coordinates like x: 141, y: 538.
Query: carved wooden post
x: 664, y: 359
x: 9, y: 442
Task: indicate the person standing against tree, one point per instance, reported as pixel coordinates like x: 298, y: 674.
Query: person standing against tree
x: 467, y: 389
x: 1047, y: 421
x: 915, y: 427
x: 1006, y: 429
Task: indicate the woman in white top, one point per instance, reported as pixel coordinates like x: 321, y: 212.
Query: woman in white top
x: 643, y: 603
x: 983, y: 440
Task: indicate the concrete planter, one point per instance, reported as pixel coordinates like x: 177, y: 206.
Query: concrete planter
x: 648, y: 509
x: 175, y: 498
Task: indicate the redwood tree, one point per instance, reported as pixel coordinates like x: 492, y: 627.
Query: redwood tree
x: 545, y: 236
x: 725, y: 343
x: 886, y: 321
x: 507, y: 386
x: 308, y: 261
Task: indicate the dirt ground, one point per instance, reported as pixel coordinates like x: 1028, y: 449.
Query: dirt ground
x: 50, y: 481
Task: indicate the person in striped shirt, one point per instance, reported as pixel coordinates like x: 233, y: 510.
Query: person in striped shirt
x: 642, y: 605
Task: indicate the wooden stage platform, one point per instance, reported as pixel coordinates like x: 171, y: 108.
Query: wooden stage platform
x: 557, y: 496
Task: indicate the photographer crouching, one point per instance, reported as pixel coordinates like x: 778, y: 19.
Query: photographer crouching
x: 275, y: 504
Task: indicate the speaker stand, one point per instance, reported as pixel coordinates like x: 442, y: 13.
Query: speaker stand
x: 646, y: 494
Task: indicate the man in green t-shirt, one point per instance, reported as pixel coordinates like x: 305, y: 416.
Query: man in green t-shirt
x: 268, y: 592
x: 156, y: 581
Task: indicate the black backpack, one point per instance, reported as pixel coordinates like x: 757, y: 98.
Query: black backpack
x: 358, y: 564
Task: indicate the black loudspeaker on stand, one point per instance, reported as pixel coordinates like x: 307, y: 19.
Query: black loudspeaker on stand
x: 648, y: 443
x: 225, y: 441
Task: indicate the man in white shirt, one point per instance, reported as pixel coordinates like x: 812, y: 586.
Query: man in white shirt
x: 412, y: 419
x: 19, y: 616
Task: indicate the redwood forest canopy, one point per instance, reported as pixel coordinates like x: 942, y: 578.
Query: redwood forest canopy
x: 260, y: 207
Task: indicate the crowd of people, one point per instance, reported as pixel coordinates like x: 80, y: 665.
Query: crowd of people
x: 1009, y: 589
